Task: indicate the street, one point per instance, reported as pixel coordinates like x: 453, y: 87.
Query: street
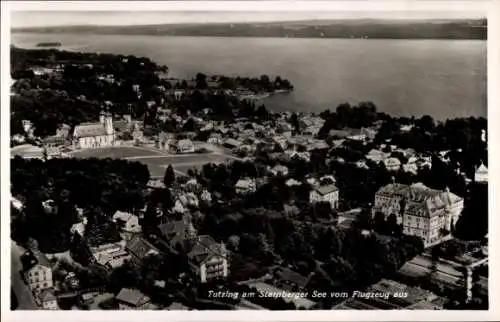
x: 22, y: 291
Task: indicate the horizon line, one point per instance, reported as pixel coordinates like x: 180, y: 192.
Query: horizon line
x: 414, y: 19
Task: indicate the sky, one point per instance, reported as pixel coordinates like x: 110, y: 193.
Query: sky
x: 61, y: 18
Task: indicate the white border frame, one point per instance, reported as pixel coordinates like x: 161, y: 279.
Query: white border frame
x: 491, y: 8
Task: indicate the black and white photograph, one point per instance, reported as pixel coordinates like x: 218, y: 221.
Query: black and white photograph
x: 197, y: 158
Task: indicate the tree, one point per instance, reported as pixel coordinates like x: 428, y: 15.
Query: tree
x: 201, y: 81
x: 169, y: 177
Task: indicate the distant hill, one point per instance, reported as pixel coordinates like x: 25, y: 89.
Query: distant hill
x: 364, y: 28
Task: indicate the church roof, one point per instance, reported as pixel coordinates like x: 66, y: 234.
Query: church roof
x: 89, y: 130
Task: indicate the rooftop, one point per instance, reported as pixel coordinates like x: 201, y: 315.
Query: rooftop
x: 132, y: 297
x: 141, y: 248
x: 89, y: 130
x: 326, y: 189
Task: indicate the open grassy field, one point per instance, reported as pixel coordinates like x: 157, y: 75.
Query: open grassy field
x: 156, y: 160
x: 115, y: 152
x: 181, y: 163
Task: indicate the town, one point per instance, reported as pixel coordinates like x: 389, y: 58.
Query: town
x: 132, y: 190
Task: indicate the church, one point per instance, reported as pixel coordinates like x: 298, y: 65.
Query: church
x: 95, y: 135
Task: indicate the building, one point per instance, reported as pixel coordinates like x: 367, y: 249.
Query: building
x: 110, y: 255
x: 244, y: 186
x: 292, y: 182
x: 185, y: 146
x: 127, y: 221
x: 37, y: 270
x: 176, y: 306
x: 183, y: 202
x: 47, y: 299
x: 140, y: 248
x: 279, y: 170
x: 132, y: 299
x: 481, y: 175
x: 392, y: 164
x: 206, y: 196
x: 377, y: 155
x: 289, y: 280
x: 209, y: 259
x: 94, y: 135
x: 325, y: 193
x: 410, y: 167
x: 423, y: 212
x: 29, y: 151
x: 175, y: 232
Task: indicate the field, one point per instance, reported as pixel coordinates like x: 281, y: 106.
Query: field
x: 156, y: 160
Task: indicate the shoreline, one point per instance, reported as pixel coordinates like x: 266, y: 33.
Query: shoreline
x: 239, y: 36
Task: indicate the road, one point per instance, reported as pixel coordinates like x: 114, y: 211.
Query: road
x: 22, y: 291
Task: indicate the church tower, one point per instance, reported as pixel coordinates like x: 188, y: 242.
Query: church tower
x: 102, y: 117
x: 108, y: 124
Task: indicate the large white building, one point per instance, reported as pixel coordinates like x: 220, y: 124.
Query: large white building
x: 208, y: 258
x: 325, y: 193
x: 95, y: 135
x: 423, y: 212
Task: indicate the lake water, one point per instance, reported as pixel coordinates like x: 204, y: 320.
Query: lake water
x: 441, y: 78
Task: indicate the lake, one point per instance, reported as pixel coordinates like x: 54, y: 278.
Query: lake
x: 441, y: 78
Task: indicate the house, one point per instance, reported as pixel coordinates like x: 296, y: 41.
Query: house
x: 133, y: 299
x: 47, y: 299
x: 279, y: 170
x: 481, y: 174
x: 175, y: 232
x: 54, y: 141
x: 179, y: 207
x: 313, y: 181
x: 423, y: 212
x: 376, y: 155
x: 110, y: 255
x: 317, y: 145
x: 94, y: 135
x: 18, y: 138
x: 338, y: 134
x: 127, y: 221
x: 424, y: 163
x: 329, y: 179
x: 215, y: 138
x: 392, y: 164
x: 79, y: 228
x: 357, y: 137
x: 405, y: 128
x: 184, y: 201
x: 176, y: 306
x: 185, y: 146
x: 16, y: 203
x: 155, y: 184
x: 37, y: 270
x: 192, y: 184
x: 325, y: 193
x: 206, y: 196
x: 140, y: 248
x: 289, y: 280
x: 209, y: 259
x: 293, y: 182
x: 232, y: 143
x: 244, y: 186
x: 361, y: 164
x: 291, y: 211
x: 410, y: 167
